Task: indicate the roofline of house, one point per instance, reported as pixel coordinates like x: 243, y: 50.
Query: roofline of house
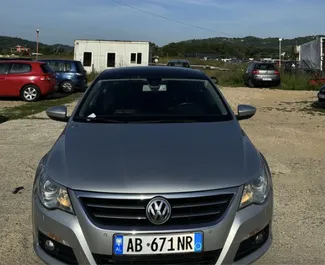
x: 102, y: 40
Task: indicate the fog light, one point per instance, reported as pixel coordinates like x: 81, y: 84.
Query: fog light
x: 49, y: 245
x: 259, y: 238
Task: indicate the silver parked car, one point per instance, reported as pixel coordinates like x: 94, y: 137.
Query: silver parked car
x: 152, y: 168
x: 262, y: 73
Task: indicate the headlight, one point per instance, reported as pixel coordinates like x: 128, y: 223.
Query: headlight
x: 51, y: 194
x: 257, y: 190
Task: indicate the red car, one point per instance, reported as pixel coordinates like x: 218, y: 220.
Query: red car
x: 26, y: 79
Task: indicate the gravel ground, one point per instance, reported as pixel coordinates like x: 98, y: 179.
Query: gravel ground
x: 291, y: 137
x: 6, y: 103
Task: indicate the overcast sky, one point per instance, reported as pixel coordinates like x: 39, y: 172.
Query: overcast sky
x: 63, y: 21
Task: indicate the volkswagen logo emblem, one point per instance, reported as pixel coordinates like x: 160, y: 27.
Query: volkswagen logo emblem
x: 158, y: 211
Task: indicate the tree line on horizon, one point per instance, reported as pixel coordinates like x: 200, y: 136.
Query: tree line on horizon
x: 240, y: 48
x: 219, y: 47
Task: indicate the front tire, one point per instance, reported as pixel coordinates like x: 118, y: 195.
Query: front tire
x: 30, y: 93
x: 67, y: 87
x: 250, y: 83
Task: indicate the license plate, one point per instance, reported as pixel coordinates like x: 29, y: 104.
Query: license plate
x: 267, y: 79
x: 157, y: 244
x: 321, y: 96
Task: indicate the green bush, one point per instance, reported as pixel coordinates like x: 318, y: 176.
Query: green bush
x: 91, y: 76
x: 297, y: 82
x: 227, y: 78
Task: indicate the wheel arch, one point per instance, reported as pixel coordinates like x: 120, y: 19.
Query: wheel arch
x: 66, y: 80
x: 30, y: 84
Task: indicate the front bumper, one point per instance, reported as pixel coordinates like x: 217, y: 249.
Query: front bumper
x: 262, y: 80
x: 88, y: 241
x: 81, y: 84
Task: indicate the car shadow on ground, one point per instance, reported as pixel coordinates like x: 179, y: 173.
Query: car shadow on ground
x: 15, y: 99
x: 318, y: 105
x: 55, y: 95
x: 3, y: 119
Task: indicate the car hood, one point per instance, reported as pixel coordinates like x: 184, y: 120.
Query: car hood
x: 153, y: 158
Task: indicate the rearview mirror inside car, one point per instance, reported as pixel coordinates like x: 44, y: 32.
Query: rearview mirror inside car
x: 58, y: 113
x: 245, y: 112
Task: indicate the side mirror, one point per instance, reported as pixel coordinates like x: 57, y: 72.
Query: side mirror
x: 214, y: 79
x: 58, y: 113
x: 245, y: 112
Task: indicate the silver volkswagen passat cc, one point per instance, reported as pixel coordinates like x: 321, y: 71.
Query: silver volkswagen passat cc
x: 152, y: 168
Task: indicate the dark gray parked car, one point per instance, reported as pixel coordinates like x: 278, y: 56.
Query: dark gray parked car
x: 152, y: 168
x: 260, y: 73
x: 321, y: 95
x: 179, y: 63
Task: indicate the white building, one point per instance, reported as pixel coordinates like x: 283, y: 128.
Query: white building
x: 98, y: 55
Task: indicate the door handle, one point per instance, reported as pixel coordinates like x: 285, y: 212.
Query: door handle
x: 2, y: 78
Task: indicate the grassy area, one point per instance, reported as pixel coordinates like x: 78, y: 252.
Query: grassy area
x: 91, y: 76
x: 234, y: 78
x: 234, y: 75
x: 215, y: 63
x: 32, y: 108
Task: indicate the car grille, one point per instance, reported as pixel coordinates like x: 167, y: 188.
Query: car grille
x: 131, y: 213
x: 205, y: 258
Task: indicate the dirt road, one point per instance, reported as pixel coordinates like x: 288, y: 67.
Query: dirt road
x: 291, y: 137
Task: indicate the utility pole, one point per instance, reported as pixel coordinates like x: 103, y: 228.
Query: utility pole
x: 280, y: 46
x: 37, y: 41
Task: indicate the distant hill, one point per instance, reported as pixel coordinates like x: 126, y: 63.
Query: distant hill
x: 9, y: 42
x: 220, y: 47
x: 234, y: 47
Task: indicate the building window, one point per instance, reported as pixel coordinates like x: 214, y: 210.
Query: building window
x: 139, y: 58
x: 87, y: 59
x: 133, y: 57
x: 110, y: 59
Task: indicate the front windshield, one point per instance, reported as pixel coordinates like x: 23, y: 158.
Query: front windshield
x: 163, y: 100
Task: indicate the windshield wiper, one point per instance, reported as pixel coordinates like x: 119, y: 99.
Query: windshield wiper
x: 98, y: 120
x: 139, y: 119
x: 166, y: 121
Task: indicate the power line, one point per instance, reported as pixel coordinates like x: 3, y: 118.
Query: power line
x: 170, y: 19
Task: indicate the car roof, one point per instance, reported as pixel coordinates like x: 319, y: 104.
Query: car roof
x: 153, y: 72
x: 259, y: 62
x: 178, y: 61
x: 58, y: 60
x: 15, y: 59
x: 21, y: 61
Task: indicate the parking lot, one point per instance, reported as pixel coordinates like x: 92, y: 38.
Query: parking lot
x: 290, y: 135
